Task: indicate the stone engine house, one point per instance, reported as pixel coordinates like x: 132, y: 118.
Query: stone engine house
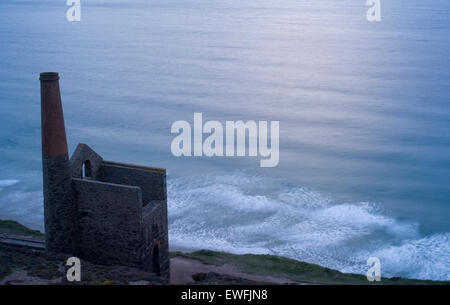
x: 105, y: 212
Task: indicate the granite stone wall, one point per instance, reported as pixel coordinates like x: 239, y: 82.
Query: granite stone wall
x: 109, y: 223
x: 60, y: 210
x: 156, y: 235
x: 151, y: 182
x: 84, y: 154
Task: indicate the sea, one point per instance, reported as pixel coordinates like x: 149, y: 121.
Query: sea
x: 363, y: 109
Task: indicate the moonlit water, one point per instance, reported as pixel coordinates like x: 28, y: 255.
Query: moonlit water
x: 363, y: 108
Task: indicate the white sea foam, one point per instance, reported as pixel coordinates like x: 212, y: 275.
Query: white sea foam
x: 228, y: 213
x: 423, y: 258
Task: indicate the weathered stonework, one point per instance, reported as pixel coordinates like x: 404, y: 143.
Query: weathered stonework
x: 105, y: 212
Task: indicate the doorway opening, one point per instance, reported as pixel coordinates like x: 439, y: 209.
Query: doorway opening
x: 156, y: 266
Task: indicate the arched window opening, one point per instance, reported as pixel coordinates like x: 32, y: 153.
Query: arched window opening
x: 86, y: 171
x: 156, y: 266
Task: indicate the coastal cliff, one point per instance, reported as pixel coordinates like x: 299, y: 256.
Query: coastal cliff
x: 20, y: 264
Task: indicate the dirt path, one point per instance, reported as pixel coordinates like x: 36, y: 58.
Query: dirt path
x: 182, y: 269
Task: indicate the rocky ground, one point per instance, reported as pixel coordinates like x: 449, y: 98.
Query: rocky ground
x: 26, y: 266
x: 185, y: 270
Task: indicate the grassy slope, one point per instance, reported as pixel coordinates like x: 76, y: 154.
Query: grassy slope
x: 291, y: 269
x: 13, y: 227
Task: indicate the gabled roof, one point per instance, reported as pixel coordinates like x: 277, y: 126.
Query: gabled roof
x: 82, y: 154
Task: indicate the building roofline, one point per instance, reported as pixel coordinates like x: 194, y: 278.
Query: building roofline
x: 145, y: 168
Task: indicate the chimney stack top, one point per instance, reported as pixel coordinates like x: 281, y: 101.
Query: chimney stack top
x: 49, y: 76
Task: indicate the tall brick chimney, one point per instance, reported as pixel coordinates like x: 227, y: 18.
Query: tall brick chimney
x: 59, y: 207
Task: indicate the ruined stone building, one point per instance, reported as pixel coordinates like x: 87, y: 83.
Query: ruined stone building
x: 104, y: 212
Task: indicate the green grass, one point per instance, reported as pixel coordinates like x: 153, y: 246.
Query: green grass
x: 13, y: 227
x: 291, y: 269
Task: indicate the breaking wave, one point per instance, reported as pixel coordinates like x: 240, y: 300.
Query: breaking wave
x: 246, y: 214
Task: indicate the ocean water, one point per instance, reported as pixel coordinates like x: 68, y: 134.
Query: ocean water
x: 364, y: 111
